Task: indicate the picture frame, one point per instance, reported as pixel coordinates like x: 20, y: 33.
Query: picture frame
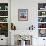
x: 22, y: 14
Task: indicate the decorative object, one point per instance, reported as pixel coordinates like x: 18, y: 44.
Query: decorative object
x: 43, y: 13
x: 3, y: 13
x: 6, y: 7
x: 42, y: 19
x: 42, y: 32
x: 22, y: 43
x: 4, y: 26
x: 3, y: 19
x: 41, y: 25
x: 23, y: 14
x: 13, y: 27
x: 31, y: 27
x: 41, y: 6
x: 23, y: 40
x: 4, y: 29
x: 0, y: 7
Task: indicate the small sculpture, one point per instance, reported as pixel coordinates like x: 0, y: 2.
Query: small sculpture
x: 13, y: 27
x: 31, y: 27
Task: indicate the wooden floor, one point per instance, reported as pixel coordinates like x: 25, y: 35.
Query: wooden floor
x: 3, y: 45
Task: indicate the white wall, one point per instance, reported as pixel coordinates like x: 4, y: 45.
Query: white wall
x: 32, y: 13
x: 32, y: 6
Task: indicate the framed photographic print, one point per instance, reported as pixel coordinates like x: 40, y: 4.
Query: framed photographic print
x: 23, y: 14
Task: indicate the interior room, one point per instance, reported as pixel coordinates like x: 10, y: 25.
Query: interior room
x: 22, y: 22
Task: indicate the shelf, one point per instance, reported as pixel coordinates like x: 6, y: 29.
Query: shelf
x: 3, y: 10
x: 41, y: 22
x: 4, y: 19
x: 41, y: 28
x: 42, y: 16
x: 3, y: 22
x: 3, y: 16
x: 41, y: 10
x: 42, y: 19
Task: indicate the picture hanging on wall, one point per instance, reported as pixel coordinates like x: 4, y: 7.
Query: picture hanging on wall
x: 22, y: 14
